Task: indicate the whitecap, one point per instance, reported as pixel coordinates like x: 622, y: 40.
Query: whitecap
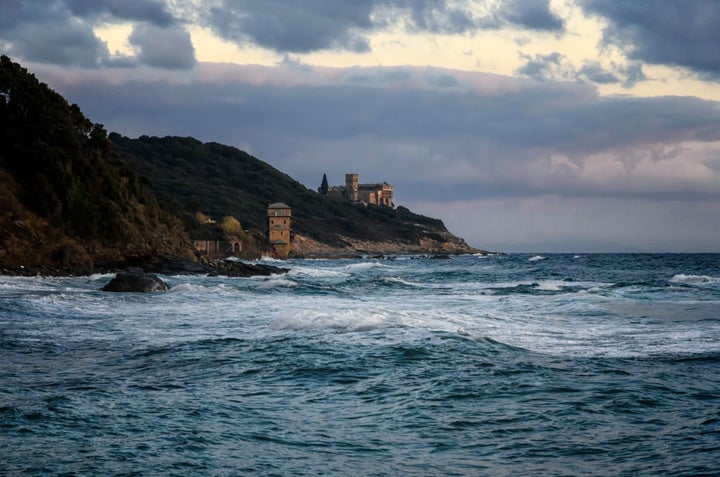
x: 316, y: 273
x: 536, y: 258
x: 348, y: 320
x: 692, y: 279
x: 364, y: 265
x: 277, y: 282
x: 188, y: 287
x: 549, y: 286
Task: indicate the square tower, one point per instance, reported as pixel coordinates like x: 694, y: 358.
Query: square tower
x: 351, y: 187
x: 280, y: 229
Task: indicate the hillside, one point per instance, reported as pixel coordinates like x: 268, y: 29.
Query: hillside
x: 75, y: 200
x: 189, y: 177
x: 65, y: 202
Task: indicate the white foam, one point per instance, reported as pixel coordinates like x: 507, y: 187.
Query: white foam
x: 549, y: 286
x: 403, y: 282
x: 348, y: 320
x: 316, y: 273
x: 693, y: 279
x: 364, y: 266
x: 276, y: 281
x: 188, y: 287
x: 536, y: 258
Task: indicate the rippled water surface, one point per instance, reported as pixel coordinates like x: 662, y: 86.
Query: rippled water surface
x: 500, y: 365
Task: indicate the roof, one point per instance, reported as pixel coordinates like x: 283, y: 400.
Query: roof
x: 278, y: 205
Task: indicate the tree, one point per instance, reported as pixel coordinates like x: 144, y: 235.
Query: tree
x: 323, y: 190
x: 230, y: 225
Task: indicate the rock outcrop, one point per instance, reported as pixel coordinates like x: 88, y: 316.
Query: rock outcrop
x: 135, y: 280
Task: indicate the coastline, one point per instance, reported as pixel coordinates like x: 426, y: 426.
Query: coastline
x: 303, y: 247
x: 306, y: 247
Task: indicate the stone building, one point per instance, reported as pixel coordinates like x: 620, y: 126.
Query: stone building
x: 218, y: 248
x: 280, y: 229
x: 375, y: 194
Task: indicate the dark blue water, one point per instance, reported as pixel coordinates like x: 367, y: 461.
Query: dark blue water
x: 502, y: 365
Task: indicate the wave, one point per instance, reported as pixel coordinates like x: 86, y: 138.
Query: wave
x: 549, y: 285
x: 347, y: 320
x: 194, y: 288
x: 277, y: 281
x: 407, y: 283
x: 267, y: 258
x: 364, y: 266
x: 536, y: 258
x: 693, y: 279
x: 317, y: 273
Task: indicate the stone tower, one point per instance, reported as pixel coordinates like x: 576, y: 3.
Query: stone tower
x: 351, y: 187
x: 280, y: 229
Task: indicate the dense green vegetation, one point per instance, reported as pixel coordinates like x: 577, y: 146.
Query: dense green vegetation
x: 63, y: 198
x: 189, y: 177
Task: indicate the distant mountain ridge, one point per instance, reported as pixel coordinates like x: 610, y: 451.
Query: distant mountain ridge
x: 74, y: 200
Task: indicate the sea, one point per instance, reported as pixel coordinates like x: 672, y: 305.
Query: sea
x: 474, y: 365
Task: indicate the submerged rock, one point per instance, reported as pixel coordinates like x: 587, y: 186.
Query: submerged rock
x: 241, y: 269
x: 135, y: 280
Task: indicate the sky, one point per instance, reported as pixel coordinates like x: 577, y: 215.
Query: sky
x: 525, y: 125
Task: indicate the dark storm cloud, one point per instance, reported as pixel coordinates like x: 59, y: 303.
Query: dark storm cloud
x: 151, y: 11
x: 168, y: 48
x: 293, y: 25
x: 301, y: 26
x: 61, y: 31
x: 532, y: 14
x: 73, y: 43
x: 680, y: 33
x: 48, y: 33
x: 413, y: 129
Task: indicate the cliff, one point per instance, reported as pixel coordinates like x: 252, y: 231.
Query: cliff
x: 66, y: 204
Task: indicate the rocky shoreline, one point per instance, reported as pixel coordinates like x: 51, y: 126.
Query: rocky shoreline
x: 306, y: 247
x: 303, y: 247
x: 155, y: 265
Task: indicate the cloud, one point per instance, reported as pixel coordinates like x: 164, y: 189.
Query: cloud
x: 303, y: 26
x: 595, y: 73
x: 684, y: 34
x: 532, y: 14
x: 154, y: 12
x: 552, y: 66
x: 169, y: 48
x: 556, y: 67
x: 48, y: 33
x: 62, y: 32
x: 296, y: 26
